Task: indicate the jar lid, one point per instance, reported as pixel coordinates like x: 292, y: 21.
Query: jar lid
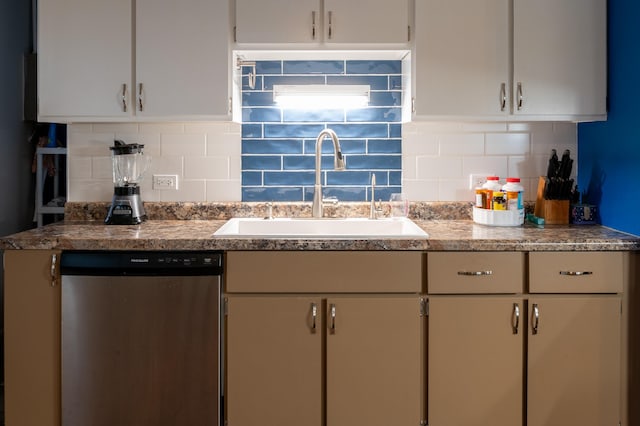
x: 513, y: 179
x: 493, y: 178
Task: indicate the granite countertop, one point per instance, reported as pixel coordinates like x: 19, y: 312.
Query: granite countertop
x: 190, y: 226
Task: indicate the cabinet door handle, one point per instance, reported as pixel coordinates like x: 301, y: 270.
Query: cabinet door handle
x: 515, y: 318
x: 313, y: 25
x: 475, y: 273
x: 575, y: 273
x: 140, y: 97
x: 314, y: 316
x: 520, y: 97
x: 54, y: 269
x: 124, y: 97
x: 535, y: 319
x: 332, y: 316
x: 503, y: 96
x: 330, y: 25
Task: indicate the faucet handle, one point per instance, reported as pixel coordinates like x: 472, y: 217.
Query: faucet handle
x: 269, y: 210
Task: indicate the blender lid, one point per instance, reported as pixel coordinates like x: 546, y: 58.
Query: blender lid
x: 121, y: 148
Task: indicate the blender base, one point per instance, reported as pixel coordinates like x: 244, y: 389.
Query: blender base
x: 126, y: 210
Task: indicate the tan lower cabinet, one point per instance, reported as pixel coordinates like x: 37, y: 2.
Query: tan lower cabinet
x: 573, y: 361
x: 475, y: 360
x: 374, y: 361
x: 32, y: 337
x: 340, y: 361
x: 274, y: 361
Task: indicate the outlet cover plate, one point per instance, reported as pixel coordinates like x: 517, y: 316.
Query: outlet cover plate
x: 164, y: 182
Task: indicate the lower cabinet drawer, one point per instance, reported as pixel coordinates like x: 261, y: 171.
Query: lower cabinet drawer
x: 324, y: 272
x: 576, y: 272
x: 475, y: 272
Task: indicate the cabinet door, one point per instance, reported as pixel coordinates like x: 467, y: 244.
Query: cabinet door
x: 274, y: 361
x: 84, y: 58
x: 371, y: 21
x: 374, y: 361
x: 182, y: 58
x: 574, y: 361
x: 462, y: 62
x: 277, y: 21
x: 32, y: 338
x: 475, y: 360
x: 560, y: 56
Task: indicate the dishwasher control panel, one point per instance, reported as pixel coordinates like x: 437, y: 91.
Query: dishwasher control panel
x: 141, y: 263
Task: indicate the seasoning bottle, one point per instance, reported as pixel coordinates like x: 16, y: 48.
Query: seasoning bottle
x: 514, y: 193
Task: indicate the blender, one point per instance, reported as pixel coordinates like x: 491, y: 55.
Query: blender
x: 128, y: 167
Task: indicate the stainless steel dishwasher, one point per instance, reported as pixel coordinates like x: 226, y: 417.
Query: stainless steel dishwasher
x: 141, y: 338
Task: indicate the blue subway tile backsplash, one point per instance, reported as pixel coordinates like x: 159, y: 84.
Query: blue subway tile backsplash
x: 278, y: 145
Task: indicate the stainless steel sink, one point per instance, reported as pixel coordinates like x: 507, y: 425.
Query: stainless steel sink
x: 312, y: 228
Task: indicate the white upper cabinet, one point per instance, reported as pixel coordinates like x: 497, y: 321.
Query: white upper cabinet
x: 560, y: 59
x: 366, y: 21
x: 84, y: 58
x: 182, y: 57
x: 316, y: 22
x: 462, y: 58
x: 466, y: 68
x: 88, y: 71
x: 278, y: 21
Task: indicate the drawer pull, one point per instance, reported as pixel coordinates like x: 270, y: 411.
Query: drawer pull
x: 54, y: 269
x: 314, y: 316
x: 515, y: 318
x: 474, y: 273
x: 575, y: 273
x: 535, y: 319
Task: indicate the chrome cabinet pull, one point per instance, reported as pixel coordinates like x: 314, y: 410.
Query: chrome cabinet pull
x: 124, y: 97
x: 314, y: 316
x: 520, y: 97
x: 332, y: 315
x: 140, y: 97
x: 515, y: 318
x: 474, y: 273
x: 503, y: 96
x: 576, y: 273
x: 313, y: 25
x: 330, y: 25
x: 54, y: 268
x: 535, y: 319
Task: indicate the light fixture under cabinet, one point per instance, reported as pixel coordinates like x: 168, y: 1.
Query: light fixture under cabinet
x: 318, y: 96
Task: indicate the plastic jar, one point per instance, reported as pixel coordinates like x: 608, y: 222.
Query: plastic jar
x: 514, y: 193
x: 484, y: 194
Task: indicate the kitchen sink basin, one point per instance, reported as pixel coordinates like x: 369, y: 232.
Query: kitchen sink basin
x: 294, y: 228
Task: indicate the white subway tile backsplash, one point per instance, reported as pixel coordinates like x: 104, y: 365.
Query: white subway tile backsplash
x: 114, y: 128
x: 439, y: 167
x: 507, y: 143
x: 510, y: 149
x: 102, y: 168
x: 79, y: 168
x: 223, y: 191
x: 461, y: 144
x: 496, y: 165
x: 480, y: 127
x: 206, y: 168
x: 191, y: 144
x: 190, y: 190
x: 436, y: 157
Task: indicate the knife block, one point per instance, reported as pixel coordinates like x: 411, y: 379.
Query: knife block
x: 554, y: 212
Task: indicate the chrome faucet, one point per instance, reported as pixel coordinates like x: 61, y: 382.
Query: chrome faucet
x: 338, y: 164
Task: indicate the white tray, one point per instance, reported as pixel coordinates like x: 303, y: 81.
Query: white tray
x: 498, y: 217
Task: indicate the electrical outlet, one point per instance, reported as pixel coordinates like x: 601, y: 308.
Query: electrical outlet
x: 163, y: 182
x: 476, y: 180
